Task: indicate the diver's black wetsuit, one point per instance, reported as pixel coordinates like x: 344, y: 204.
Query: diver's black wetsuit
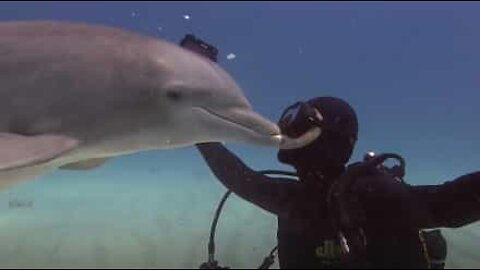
x: 394, y: 213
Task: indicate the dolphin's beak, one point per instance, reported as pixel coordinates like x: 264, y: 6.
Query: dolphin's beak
x: 302, y: 141
x: 247, y: 126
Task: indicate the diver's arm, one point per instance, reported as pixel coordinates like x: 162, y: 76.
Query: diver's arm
x: 453, y: 204
x: 271, y: 194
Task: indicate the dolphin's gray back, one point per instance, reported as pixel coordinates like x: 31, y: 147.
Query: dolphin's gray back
x: 73, y: 72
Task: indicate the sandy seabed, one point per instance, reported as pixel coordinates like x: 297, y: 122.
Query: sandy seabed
x: 155, y: 219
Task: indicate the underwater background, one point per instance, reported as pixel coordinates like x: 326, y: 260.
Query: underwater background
x: 411, y: 71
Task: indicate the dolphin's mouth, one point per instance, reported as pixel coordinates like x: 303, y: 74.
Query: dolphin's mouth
x: 262, y: 130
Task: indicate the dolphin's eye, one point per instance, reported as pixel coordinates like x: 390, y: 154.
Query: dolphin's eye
x: 174, y: 95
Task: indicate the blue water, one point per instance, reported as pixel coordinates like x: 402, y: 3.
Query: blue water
x: 411, y: 71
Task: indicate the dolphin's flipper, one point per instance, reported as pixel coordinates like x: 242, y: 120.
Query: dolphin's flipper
x: 85, y: 164
x: 19, y: 151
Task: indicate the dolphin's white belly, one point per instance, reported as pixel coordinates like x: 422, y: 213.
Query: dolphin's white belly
x: 111, y: 149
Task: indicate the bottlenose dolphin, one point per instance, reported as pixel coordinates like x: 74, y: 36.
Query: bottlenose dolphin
x: 73, y: 95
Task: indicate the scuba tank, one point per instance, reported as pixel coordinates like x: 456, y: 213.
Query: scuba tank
x: 435, y: 248
x: 433, y: 243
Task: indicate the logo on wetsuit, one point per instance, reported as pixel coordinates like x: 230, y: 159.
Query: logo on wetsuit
x: 329, y: 252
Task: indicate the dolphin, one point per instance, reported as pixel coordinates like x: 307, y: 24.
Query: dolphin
x: 73, y: 95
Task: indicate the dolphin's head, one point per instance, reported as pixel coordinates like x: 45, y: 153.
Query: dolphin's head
x: 202, y: 103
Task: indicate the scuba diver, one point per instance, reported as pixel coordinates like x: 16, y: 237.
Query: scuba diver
x: 361, y: 215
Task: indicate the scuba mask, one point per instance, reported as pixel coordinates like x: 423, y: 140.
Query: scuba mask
x: 300, y: 124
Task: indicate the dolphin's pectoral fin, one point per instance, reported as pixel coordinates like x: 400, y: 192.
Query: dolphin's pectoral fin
x: 85, y: 164
x: 21, y: 151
